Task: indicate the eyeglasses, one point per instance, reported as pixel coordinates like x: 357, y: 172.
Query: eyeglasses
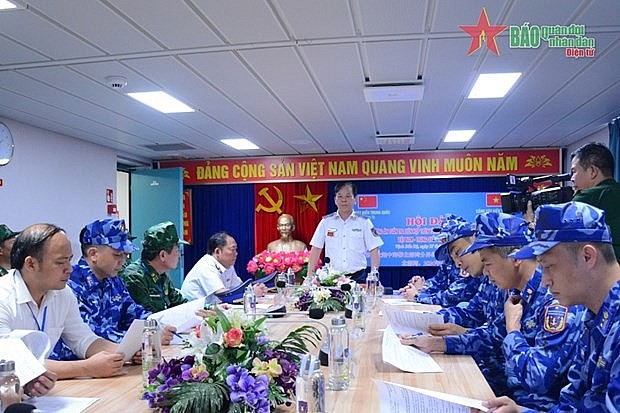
x: 344, y: 198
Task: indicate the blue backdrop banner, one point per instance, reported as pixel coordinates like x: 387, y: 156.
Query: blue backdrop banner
x: 406, y: 221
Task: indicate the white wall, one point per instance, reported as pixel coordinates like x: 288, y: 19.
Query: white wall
x: 54, y: 178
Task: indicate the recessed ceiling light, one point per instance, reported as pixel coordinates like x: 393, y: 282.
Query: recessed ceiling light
x: 161, y: 101
x: 459, y: 135
x: 7, y: 5
x: 240, y: 143
x: 493, y: 85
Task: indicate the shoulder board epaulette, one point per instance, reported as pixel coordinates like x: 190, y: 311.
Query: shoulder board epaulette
x: 329, y: 215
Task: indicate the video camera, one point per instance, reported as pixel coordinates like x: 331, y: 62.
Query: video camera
x: 523, y: 189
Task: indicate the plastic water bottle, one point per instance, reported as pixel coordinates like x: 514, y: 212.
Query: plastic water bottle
x: 371, y: 288
x: 10, y: 389
x: 151, y: 348
x: 338, y: 355
x: 310, y: 386
x: 249, y: 301
x: 357, y: 309
x: 281, y: 282
x: 290, y: 277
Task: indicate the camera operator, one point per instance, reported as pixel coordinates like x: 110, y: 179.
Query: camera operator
x: 592, y: 171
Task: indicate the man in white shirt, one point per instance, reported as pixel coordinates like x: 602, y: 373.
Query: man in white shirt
x: 215, y: 272
x: 34, y: 296
x: 346, y: 237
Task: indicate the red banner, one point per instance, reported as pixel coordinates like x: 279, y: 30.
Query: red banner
x: 187, y: 215
x: 406, y: 165
x: 306, y: 202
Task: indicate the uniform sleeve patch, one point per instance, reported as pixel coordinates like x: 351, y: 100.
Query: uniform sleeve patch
x: 374, y: 232
x: 555, y: 318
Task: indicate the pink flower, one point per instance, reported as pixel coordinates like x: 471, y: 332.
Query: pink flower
x: 233, y: 337
x: 252, y: 267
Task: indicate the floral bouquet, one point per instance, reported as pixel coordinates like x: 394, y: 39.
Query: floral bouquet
x: 267, y: 263
x: 327, y: 299
x: 240, y: 371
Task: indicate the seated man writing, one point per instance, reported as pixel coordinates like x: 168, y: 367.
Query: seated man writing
x: 286, y: 243
x: 34, y: 296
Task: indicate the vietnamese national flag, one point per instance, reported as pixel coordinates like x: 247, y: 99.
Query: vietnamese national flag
x: 494, y: 200
x: 367, y: 201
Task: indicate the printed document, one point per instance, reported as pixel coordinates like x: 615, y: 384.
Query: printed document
x: 406, y: 358
x: 411, y: 321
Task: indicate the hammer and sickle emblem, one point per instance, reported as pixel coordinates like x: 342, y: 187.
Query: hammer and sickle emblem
x: 275, y: 205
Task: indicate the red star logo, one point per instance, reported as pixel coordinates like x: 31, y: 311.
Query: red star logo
x: 483, y: 32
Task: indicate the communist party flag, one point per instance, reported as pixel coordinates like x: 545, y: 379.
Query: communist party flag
x: 305, y: 201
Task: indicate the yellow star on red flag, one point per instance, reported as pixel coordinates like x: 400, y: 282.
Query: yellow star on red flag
x: 309, y: 198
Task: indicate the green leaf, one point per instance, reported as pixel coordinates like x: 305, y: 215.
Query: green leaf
x: 223, y: 319
x: 199, y: 397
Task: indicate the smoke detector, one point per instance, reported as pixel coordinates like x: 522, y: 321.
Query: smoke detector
x: 116, y: 82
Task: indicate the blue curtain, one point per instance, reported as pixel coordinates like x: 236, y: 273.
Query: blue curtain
x: 231, y: 208
x: 227, y: 208
x: 614, y: 145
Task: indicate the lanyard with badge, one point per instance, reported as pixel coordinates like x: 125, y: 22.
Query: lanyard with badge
x: 40, y: 327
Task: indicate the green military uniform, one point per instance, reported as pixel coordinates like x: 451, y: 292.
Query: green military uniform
x: 5, y: 234
x: 151, y: 290
x: 146, y: 286
x: 606, y: 196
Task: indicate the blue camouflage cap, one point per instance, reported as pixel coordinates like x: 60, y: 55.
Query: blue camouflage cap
x: 569, y: 222
x: 453, y: 228
x: 497, y: 229
x: 110, y: 232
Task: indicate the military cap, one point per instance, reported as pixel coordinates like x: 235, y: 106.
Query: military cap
x: 6, y: 233
x: 497, y: 229
x: 569, y: 222
x: 110, y: 232
x: 162, y: 236
x: 453, y: 228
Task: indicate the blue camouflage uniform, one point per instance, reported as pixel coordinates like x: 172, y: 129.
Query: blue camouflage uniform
x: 478, y: 309
x: 530, y: 364
x: 105, y: 305
x: 447, y: 288
x: 594, y: 377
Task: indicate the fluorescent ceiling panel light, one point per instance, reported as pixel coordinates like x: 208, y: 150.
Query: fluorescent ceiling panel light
x: 393, y: 93
x: 7, y: 5
x: 459, y: 135
x: 161, y: 101
x: 240, y: 143
x: 493, y: 85
x: 405, y: 139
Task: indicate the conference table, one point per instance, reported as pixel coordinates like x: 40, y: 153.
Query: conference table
x: 460, y: 375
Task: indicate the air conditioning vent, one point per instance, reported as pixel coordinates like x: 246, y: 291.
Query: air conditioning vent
x: 165, y: 147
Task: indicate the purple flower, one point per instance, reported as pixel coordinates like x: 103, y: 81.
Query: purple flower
x: 247, y: 389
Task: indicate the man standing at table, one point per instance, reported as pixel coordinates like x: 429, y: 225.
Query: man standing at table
x: 346, y: 237
x: 215, y: 272
x: 34, y: 296
x: 104, y: 302
x: 146, y: 279
x: 7, y: 238
x: 573, y: 247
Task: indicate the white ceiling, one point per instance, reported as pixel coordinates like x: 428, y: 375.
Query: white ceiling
x: 289, y: 74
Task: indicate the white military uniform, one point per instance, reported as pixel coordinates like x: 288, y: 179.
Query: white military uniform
x: 346, y: 241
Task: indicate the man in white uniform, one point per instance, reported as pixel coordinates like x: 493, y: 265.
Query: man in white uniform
x: 346, y: 237
x: 34, y: 296
x: 215, y: 272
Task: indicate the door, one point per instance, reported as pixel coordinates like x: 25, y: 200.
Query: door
x: 157, y: 196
